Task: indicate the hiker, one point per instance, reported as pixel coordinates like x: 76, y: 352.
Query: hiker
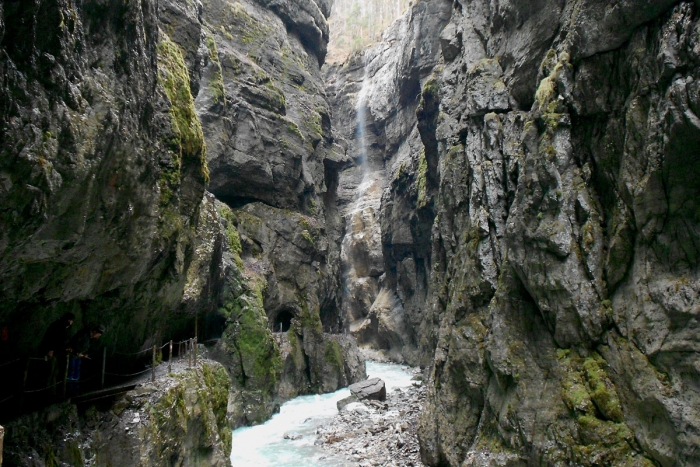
x: 55, y: 344
x: 80, y: 347
x: 56, y: 337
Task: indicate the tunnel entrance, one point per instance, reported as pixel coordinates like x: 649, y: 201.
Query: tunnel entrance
x: 283, y: 321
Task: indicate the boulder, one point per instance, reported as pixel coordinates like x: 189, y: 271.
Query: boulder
x: 371, y: 389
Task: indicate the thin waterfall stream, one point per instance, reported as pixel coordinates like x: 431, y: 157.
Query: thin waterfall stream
x: 264, y: 445
x: 361, y: 249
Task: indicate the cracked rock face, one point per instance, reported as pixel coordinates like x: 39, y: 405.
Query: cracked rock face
x: 117, y: 117
x: 274, y: 261
x: 102, y: 169
x: 550, y: 177
x: 564, y: 285
x: 386, y: 248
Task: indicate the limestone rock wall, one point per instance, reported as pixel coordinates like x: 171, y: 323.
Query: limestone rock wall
x: 266, y: 122
x: 564, y: 273
x: 553, y: 181
x: 103, y: 168
x: 116, y: 117
x: 386, y: 247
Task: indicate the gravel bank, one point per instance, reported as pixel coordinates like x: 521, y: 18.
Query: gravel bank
x: 372, y: 433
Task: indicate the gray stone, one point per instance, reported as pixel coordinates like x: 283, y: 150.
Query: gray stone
x: 372, y: 389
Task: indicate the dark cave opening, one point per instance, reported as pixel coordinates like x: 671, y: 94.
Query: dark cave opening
x: 283, y: 321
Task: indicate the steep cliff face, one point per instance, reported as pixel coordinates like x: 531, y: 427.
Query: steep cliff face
x: 267, y: 126
x: 115, y: 117
x: 559, y: 326
x: 103, y: 168
x: 565, y: 300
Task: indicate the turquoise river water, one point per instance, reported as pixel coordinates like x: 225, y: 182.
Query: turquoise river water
x: 264, y: 445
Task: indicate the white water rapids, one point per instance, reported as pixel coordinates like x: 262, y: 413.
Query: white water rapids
x: 264, y: 445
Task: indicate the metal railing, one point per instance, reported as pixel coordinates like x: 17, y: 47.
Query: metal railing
x: 185, y: 349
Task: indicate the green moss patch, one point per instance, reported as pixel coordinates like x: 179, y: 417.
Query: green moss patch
x: 604, y: 437
x: 173, y: 76
x: 216, y: 84
x: 218, y: 386
x: 250, y: 337
x: 334, y: 354
x: 422, y: 180
x: 232, y: 235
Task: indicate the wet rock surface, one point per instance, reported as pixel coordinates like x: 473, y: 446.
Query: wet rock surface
x: 118, y: 117
x: 386, y: 249
x: 374, y: 433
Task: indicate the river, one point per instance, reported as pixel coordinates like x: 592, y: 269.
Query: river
x: 264, y: 445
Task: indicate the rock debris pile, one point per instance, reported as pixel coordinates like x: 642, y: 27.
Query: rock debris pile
x: 374, y: 433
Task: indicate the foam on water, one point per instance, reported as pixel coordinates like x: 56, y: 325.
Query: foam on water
x: 264, y: 445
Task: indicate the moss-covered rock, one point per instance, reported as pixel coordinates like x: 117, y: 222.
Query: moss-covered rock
x: 181, y: 419
x: 173, y: 75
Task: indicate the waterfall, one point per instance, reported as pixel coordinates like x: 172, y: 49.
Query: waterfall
x: 361, y: 125
x: 361, y: 253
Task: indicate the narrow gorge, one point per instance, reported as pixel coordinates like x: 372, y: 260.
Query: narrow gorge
x: 499, y: 192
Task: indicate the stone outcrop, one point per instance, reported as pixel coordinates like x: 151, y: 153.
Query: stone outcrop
x: 179, y: 420
x: 103, y: 168
x: 266, y: 123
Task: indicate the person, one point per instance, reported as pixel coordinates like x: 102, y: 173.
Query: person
x: 80, y: 348
x: 55, y: 344
x: 56, y: 336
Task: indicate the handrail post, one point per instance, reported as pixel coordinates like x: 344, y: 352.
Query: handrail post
x: 153, y: 365
x: 104, y: 365
x: 2, y: 436
x: 65, y: 376
x: 24, y: 384
x: 170, y: 357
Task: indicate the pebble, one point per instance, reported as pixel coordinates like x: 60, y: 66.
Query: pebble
x: 381, y: 433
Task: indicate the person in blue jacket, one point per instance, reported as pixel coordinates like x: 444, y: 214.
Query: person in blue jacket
x: 80, y: 348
